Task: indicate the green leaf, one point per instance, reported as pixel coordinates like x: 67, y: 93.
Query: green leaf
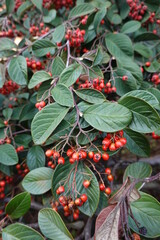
x: 38, y: 4
x: 70, y: 74
x: 10, y: 5
x: 146, y: 36
x: 28, y: 108
x: 124, y: 87
x: 91, y: 95
x: 23, y: 139
x: 38, y: 77
x: 23, y: 8
x: 7, y: 47
x: 83, y: 173
x: 18, y: 70
x: 145, y: 118
x: 52, y: 226
x: 42, y: 129
x: 98, y: 17
x: 131, y: 26
x: 83, y: 140
x: 143, y: 50
x: 2, y: 75
x: 146, y: 210
x: 19, y: 205
x: 119, y: 45
x: 2, y: 123
x: 108, y: 117
x: 81, y: 10
x: 42, y: 47
x: 57, y: 66
x: 138, y: 170
x: 7, y: 113
x: 137, y: 143
x: 38, y: 181
x: 35, y: 158
x: 62, y: 95
x: 144, y: 95
x: 19, y: 231
x: 156, y: 93
x: 115, y: 19
x: 51, y: 15
x: 8, y: 155
x: 59, y: 33
x: 98, y: 57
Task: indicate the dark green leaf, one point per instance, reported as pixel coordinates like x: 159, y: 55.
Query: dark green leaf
x: 51, y: 15
x: 8, y: 155
x: 143, y: 50
x: 38, y: 181
x: 91, y: 95
x: 131, y: 26
x: 19, y: 205
x: 41, y: 130
x: 52, y: 226
x: 42, y: 47
x: 81, y: 10
x: 146, y: 36
x: 38, y: 77
x: 23, y: 8
x: 10, y: 5
x: 57, y: 66
x: 62, y: 95
x: 2, y: 75
x: 35, y: 158
x: 59, y: 33
x: 7, y: 47
x: 98, y: 17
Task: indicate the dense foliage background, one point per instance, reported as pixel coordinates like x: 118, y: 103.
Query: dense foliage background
x: 80, y: 119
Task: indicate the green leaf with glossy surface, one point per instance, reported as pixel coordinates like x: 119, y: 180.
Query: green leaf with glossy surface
x: 71, y: 74
x: 145, y: 118
x: 42, y: 129
x: 137, y: 143
x: 38, y: 77
x: 58, y: 33
x: 138, y: 170
x: 82, y: 172
x: 18, y: 70
x: 35, y: 158
x: 51, y: 15
x: 108, y: 117
x: 10, y: 5
x: 98, y: 18
x: 57, y: 66
x: 42, y: 47
x: 62, y: 95
x: 19, y: 231
x: 81, y: 10
x: 143, y: 50
x: 130, y: 26
x: 146, y: 211
x: 119, y: 45
x: 19, y: 205
x: 7, y: 47
x: 23, y: 8
x: 38, y: 181
x: 91, y: 95
x: 38, y: 3
x: 8, y: 155
x: 52, y: 226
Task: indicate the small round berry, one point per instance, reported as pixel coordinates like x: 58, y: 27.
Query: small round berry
x: 49, y: 152
x: 124, y: 78
x: 61, y: 160
x: 86, y: 183
x: 147, y: 64
x: 110, y: 177
x: 75, y: 216
x: 91, y: 155
x: 97, y: 157
x: 108, y: 191
x: 105, y: 156
x: 84, y: 197
x: 102, y: 187
x: 112, y: 147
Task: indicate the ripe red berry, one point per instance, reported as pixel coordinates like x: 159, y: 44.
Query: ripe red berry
x: 6, y: 122
x: 108, y: 171
x: 112, y: 147
x: 147, y: 64
x: 102, y: 187
x: 118, y: 144
x: 69, y: 152
x: 75, y: 156
x: 108, y: 191
x: 106, y: 142
x: 91, y: 155
x: 110, y: 177
x: 61, y: 160
x: 105, y: 156
x: 84, y: 197
x: 97, y: 157
x: 86, y: 183
x: 61, y: 189
x: 49, y: 152
x: 78, y: 202
x: 71, y: 160
x: 123, y: 140
x: 124, y: 78
x: 75, y: 216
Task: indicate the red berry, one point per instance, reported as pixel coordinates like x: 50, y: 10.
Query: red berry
x: 75, y: 216
x: 147, y: 64
x: 102, y: 187
x: 84, y: 197
x: 123, y: 140
x: 78, y: 202
x: 124, y: 78
x: 105, y: 156
x: 97, y: 157
x: 86, y: 183
x: 61, y: 160
x: 91, y: 155
x: 110, y: 177
x: 69, y: 152
x: 112, y: 147
x: 108, y: 191
x: 118, y: 144
x: 108, y: 171
x: 49, y: 153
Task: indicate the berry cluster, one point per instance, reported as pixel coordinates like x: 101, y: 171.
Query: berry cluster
x: 84, y: 20
x: 63, y: 3
x: 9, y: 87
x: 8, y: 33
x: 156, y: 79
x: 137, y: 9
x: 38, y: 31
x: 34, y: 65
x: 76, y: 37
x: 113, y: 141
x: 17, y: 4
x: 40, y: 105
x: 22, y: 169
x: 3, y: 182
x: 20, y: 149
x: 50, y: 153
x: 155, y: 136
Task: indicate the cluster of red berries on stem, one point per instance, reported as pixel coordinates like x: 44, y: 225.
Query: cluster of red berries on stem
x: 3, y: 182
x: 113, y: 141
x: 155, y: 136
x: 84, y: 20
x: 63, y: 3
x: 22, y: 169
x: 18, y: 3
x: 75, y: 37
x: 34, y: 65
x: 40, y: 105
x: 38, y: 31
x: 50, y: 153
x: 8, y: 33
x: 137, y: 9
x: 156, y: 79
x: 20, y: 149
x: 9, y: 87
